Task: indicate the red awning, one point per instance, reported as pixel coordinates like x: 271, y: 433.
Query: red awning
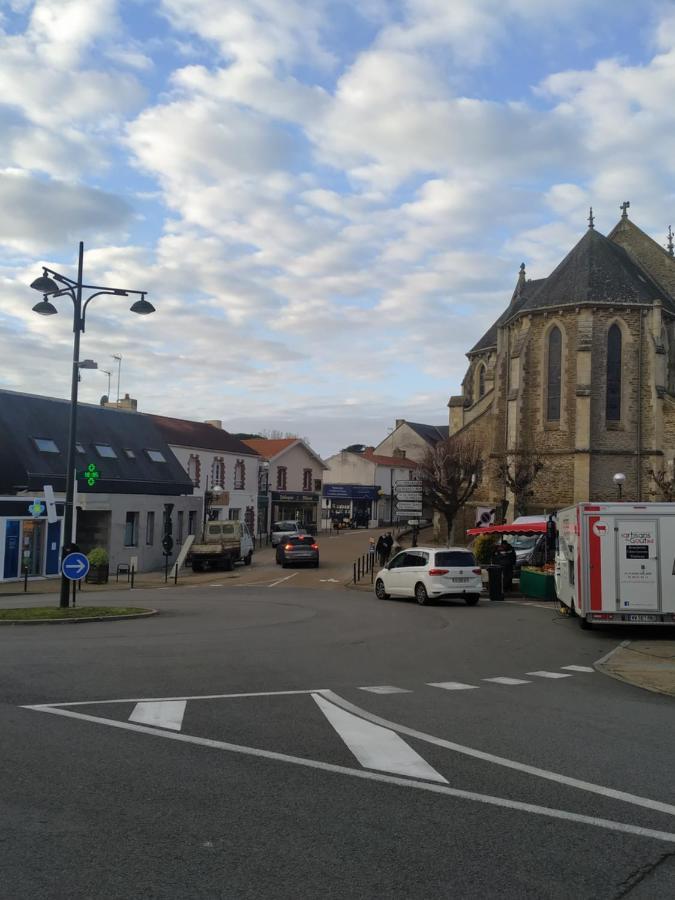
x: 519, y: 528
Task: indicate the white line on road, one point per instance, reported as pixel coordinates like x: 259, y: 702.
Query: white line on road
x: 161, y: 699
x: 452, y: 685
x: 275, y: 583
x: 603, y: 659
x: 502, y: 761
x: 162, y: 714
x: 385, y: 689
x: 543, y: 674
x: 509, y: 681
x: 441, y: 789
x: 578, y: 668
x: 376, y: 747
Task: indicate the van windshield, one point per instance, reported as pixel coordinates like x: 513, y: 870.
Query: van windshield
x: 455, y: 558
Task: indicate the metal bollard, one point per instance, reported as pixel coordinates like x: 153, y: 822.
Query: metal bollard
x: 131, y: 583
x: 354, y: 573
x: 175, y: 574
x: 25, y: 579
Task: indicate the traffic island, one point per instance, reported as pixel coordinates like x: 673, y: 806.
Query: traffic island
x: 51, y: 615
x: 645, y: 664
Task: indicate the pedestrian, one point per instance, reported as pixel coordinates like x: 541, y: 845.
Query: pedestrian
x: 504, y: 555
x: 388, y: 544
x: 395, y: 546
x: 381, y: 550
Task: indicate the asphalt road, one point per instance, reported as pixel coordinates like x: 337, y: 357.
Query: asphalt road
x: 311, y: 783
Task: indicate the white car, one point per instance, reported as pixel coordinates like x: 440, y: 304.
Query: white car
x: 430, y: 573
x: 283, y: 530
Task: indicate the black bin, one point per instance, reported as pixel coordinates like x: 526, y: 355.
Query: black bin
x: 495, y: 582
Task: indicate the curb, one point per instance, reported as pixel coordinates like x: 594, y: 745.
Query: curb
x: 599, y: 666
x: 81, y: 621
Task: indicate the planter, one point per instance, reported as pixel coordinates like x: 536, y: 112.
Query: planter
x: 537, y: 584
x: 97, y: 575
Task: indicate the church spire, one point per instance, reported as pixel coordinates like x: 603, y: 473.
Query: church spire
x: 521, y: 279
x: 670, y: 240
x: 591, y: 220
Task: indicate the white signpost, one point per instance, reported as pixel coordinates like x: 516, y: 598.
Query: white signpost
x: 408, y: 499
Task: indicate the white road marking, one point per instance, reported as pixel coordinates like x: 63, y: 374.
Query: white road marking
x: 504, y: 680
x: 162, y: 714
x: 275, y: 583
x: 578, y: 668
x: 45, y: 706
x: 376, y: 747
x: 452, y: 685
x: 548, y: 606
x: 442, y: 789
x: 603, y: 659
x: 215, y: 585
x: 385, y: 689
x: 330, y: 580
x: 502, y: 761
x: 543, y: 674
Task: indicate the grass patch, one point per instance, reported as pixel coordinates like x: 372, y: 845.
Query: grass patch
x: 79, y: 612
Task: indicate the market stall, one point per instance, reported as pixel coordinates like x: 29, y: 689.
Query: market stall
x: 535, y: 581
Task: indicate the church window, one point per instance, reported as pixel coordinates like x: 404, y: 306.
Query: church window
x: 554, y: 375
x: 613, y: 401
x: 481, y: 381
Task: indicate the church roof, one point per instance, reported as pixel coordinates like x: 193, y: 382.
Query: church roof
x: 432, y: 434
x: 489, y: 339
x: 596, y: 270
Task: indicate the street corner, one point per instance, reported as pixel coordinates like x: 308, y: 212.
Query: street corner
x: 645, y: 664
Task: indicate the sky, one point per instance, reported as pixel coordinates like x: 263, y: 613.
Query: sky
x: 327, y: 202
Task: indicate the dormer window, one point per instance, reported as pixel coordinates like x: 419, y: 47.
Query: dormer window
x: 105, y: 451
x: 46, y: 445
x: 156, y: 455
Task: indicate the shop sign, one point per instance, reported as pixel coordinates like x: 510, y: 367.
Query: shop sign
x: 294, y: 497
x: 351, y: 491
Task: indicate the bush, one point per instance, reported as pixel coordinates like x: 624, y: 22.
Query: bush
x: 98, y: 557
x: 482, y: 548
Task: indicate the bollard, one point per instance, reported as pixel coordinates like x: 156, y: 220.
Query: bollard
x: 175, y: 574
x: 133, y: 572
x: 354, y: 573
x: 25, y: 579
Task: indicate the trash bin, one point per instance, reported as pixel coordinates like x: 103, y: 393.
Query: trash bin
x: 495, y: 582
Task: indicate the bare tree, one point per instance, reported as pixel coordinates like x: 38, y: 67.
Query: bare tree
x: 519, y: 477
x: 450, y: 472
x: 665, y: 483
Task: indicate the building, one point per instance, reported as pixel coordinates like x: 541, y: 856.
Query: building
x: 127, y: 476
x: 579, y: 370
x: 291, y: 489
x: 411, y: 440
x: 360, y: 486
x: 212, y: 457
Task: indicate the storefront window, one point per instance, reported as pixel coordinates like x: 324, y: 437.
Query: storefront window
x: 32, y: 544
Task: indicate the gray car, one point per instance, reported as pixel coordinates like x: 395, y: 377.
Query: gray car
x: 299, y: 548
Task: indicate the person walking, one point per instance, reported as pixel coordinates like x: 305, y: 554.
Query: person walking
x: 388, y: 542
x: 381, y: 550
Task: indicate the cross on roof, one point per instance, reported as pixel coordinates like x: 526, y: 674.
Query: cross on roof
x: 591, y: 220
x: 624, y: 207
x: 670, y: 240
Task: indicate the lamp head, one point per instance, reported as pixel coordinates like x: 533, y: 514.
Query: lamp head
x: 45, y: 308
x: 619, y: 478
x: 45, y: 284
x: 142, y: 307
x: 216, y: 490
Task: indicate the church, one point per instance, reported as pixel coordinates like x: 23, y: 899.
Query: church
x: 578, y: 373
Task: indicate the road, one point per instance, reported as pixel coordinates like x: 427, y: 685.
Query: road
x: 266, y: 741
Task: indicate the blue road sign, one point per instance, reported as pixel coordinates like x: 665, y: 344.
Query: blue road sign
x: 75, y: 566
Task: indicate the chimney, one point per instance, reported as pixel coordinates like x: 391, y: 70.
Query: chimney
x: 217, y: 423
x: 399, y: 422
x: 130, y: 404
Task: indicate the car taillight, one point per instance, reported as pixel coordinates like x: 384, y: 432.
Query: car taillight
x: 288, y: 547
x: 476, y: 571
x: 315, y: 546
x: 438, y: 571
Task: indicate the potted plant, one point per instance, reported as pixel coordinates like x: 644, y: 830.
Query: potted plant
x: 482, y: 548
x: 98, y: 566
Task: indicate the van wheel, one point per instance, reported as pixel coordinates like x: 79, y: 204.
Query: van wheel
x: 380, y: 592
x: 584, y: 623
x: 228, y: 565
x: 248, y: 558
x: 421, y: 595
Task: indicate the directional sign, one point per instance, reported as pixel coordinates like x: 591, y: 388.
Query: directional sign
x: 409, y: 495
x: 75, y: 566
x: 408, y: 505
x: 409, y: 483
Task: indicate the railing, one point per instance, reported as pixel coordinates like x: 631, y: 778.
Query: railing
x: 364, y: 565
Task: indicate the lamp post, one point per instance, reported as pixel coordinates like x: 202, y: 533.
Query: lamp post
x: 210, y: 496
x: 619, y: 480
x: 263, y: 488
x: 52, y: 284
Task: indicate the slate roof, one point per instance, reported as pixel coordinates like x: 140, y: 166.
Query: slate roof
x: 24, y: 417
x: 489, y: 339
x: 185, y: 433
x: 430, y: 433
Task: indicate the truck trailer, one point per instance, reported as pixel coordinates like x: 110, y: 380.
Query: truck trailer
x: 615, y: 563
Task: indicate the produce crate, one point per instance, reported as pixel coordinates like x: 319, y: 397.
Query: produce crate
x: 537, y: 584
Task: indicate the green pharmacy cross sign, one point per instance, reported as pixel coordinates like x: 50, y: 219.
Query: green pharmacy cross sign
x: 91, y: 474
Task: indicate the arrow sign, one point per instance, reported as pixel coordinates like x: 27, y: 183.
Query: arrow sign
x: 408, y: 483
x: 409, y: 506
x: 409, y: 495
x: 75, y: 566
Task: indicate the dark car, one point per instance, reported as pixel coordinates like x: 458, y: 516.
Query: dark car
x: 298, y: 548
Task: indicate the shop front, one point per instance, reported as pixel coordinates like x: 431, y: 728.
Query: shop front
x: 350, y: 505
x: 296, y: 506
x: 29, y: 543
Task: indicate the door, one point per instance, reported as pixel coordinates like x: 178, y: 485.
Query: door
x: 12, y: 531
x: 32, y: 544
x: 407, y: 573
x: 393, y: 577
x: 53, y: 548
x: 638, y: 564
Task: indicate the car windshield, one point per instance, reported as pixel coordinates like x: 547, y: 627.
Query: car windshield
x: 284, y: 526
x: 301, y: 539
x: 523, y: 541
x: 455, y: 558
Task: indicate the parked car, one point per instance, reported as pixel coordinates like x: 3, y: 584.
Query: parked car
x: 530, y: 548
x: 298, y: 548
x: 428, y: 574
x: 282, y: 530
x: 220, y: 546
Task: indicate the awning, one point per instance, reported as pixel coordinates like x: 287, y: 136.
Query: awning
x: 519, y: 528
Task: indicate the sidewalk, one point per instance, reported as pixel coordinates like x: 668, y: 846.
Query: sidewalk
x: 644, y: 664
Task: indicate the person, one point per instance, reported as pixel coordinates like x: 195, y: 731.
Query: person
x: 380, y: 549
x: 388, y: 544
x: 505, y: 556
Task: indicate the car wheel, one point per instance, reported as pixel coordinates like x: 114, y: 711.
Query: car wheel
x: 248, y: 558
x: 284, y: 565
x: 472, y: 600
x: 421, y: 594
x: 380, y: 592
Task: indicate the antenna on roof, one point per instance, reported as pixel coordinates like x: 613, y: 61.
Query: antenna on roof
x: 591, y: 220
x: 624, y: 209
x: 670, y: 240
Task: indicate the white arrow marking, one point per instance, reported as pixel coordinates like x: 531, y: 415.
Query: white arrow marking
x: 376, y: 747
x: 165, y: 714
x: 77, y: 565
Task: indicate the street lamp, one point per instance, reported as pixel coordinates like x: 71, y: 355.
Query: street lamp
x: 210, y: 497
x: 263, y: 488
x: 619, y: 480
x: 51, y: 285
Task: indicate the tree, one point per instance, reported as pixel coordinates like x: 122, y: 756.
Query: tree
x: 665, y: 483
x: 450, y: 472
x: 519, y: 477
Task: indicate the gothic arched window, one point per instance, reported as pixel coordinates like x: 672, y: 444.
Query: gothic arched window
x: 613, y: 399
x: 554, y: 380
x: 481, y: 381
